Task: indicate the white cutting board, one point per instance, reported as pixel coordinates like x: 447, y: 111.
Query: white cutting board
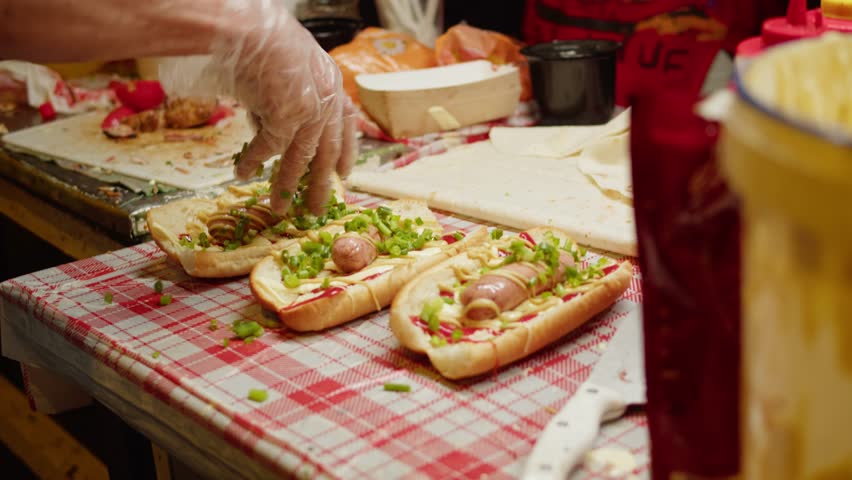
x: 518, y: 191
x: 190, y: 159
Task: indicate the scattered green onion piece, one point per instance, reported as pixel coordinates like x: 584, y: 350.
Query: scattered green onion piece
x: 225, y: 342
x: 449, y: 300
x: 326, y: 238
x: 326, y: 282
x: 257, y: 395
x: 238, y: 156
x: 457, y: 334
x: 546, y: 295
x: 251, y: 201
x: 496, y: 234
x: 291, y: 281
x: 244, y: 329
x: 418, y: 221
x: 397, y: 387
x: 214, y: 325
x: 203, y: 240
x: 458, y: 235
x: 430, y: 312
x: 155, y: 355
x: 165, y: 299
x: 395, y: 251
x: 158, y: 286
x: 437, y: 341
x: 108, y: 298
x: 232, y: 245
x: 559, y: 290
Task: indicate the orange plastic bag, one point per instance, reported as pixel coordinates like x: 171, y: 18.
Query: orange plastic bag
x: 375, y: 50
x: 464, y: 43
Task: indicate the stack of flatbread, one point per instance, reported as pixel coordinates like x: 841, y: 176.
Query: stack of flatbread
x: 573, y: 178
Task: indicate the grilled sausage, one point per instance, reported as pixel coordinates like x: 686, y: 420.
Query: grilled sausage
x: 352, y: 253
x: 224, y: 224
x: 506, y: 293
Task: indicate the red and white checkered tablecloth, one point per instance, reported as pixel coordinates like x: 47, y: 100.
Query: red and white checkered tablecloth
x: 327, y: 414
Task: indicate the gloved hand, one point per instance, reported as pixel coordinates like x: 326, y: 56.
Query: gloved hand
x: 293, y: 91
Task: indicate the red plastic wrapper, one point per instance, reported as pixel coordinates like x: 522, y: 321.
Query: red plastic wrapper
x: 688, y: 226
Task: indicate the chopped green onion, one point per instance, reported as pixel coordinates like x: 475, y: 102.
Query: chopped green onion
x: 232, y: 245
x: 397, y: 387
x: 225, y: 342
x: 155, y: 354
x: 496, y: 234
x: 244, y: 329
x: 430, y: 312
x: 165, y: 299
x: 437, y: 341
x: 291, y: 281
x: 326, y: 282
x: 238, y: 156
x: 312, y: 247
x: 449, y: 300
x: 546, y: 295
x: 257, y: 395
x: 559, y: 290
x: 108, y: 298
x: 458, y: 235
x: 602, y: 261
x: 203, y: 240
x: 418, y: 221
x: 326, y: 238
x: 457, y: 334
x: 281, y: 227
x: 395, y: 251
x: 214, y: 325
x: 251, y: 201
x: 383, y: 229
x: 158, y: 286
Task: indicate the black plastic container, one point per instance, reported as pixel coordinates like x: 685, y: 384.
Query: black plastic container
x: 331, y: 32
x: 574, y: 80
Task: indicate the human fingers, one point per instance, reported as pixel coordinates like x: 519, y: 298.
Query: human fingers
x: 323, y: 165
x: 349, y: 145
x: 293, y: 165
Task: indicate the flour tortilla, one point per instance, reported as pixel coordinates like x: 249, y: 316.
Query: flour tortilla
x: 555, y: 142
x: 516, y: 191
x: 606, y: 162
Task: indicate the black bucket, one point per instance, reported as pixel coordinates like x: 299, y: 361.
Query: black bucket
x: 574, y: 80
x: 332, y: 32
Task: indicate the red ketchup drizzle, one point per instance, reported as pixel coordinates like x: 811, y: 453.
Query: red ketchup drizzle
x: 446, y: 331
x: 448, y: 294
x: 328, y: 292
x: 450, y: 238
x: 611, y: 268
x: 526, y: 236
x: 185, y: 236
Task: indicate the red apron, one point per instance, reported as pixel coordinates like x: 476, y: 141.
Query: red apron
x: 667, y: 43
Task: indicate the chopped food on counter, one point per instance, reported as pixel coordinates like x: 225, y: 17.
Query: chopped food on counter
x: 108, y: 298
x: 158, y: 286
x: 258, y: 395
x: 397, y: 387
x: 165, y: 299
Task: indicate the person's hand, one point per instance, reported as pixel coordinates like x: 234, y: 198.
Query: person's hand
x: 294, y: 93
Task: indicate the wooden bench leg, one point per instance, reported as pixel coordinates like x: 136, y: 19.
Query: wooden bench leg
x: 162, y: 463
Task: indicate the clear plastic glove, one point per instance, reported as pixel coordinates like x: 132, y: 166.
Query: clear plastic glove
x: 293, y: 91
